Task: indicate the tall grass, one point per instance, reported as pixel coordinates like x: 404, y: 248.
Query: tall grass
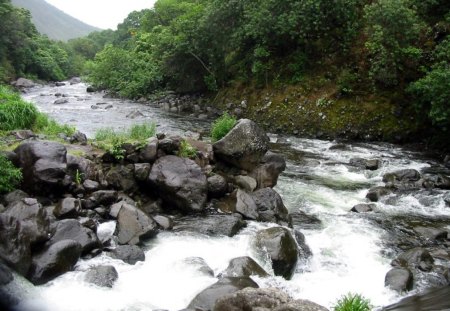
x: 15, y: 113
x: 10, y: 176
x: 353, y: 302
x: 222, y: 126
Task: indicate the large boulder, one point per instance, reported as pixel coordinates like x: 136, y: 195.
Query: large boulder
x: 15, y: 248
x: 23, y: 83
x: 217, y: 186
x: 128, y: 253
x: 55, y: 260
x: 206, y: 299
x: 133, y: 225
x: 67, y: 208
x: 270, y: 206
x: 103, y: 276
x: 121, y: 177
x: 266, y: 174
x: 399, y: 279
x: 416, y: 258
x: 33, y: 218
x: 85, y: 167
x: 245, y: 205
x: 243, y: 266
x: 406, y: 175
x: 180, y: 182
x: 43, y: 164
x: 244, y: 146
x: 431, y: 299
x: 215, y: 225
x: 281, y: 248
x: 258, y: 299
x: 368, y: 164
x: 375, y: 193
x: 71, y: 229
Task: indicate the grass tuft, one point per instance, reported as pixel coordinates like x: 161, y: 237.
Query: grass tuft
x: 222, y: 126
x: 187, y: 150
x: 10, y: 175
x: 353, y: 302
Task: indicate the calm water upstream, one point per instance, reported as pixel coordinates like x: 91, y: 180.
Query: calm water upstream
x: 350, y: 251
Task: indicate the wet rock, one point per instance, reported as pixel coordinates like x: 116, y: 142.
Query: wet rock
x: 150, y: 151
x: 368, y: 164
x: 85, y: 167
x: 442, y: 182
x: 135, y: 114
x: 200, y: 265
x: 170, y: 145
x: 104, y: 197
x: 300, y: 305
x: 78, y: 138
x: 305, y: 221
x: 121, y: 177
x: 103, y: 276
x: 59, y: 83
x: 166, y: 223
x: 304, y: 252
x: 243, y: 267
x: 90, y: 89
x: 8, y: 297
x: 266, y: 174
x: 399, y: 279
x: 179, y: 182
x: 245, y: 205
x: 281, y: 248
x: 374, y: 194
x: 23, y: 134
x: 71, y: 229
x: 128, y: 253
x: 33, y: 218
x: 217, y: 186
x: 416, y: 258
x: 91, y: 185
x: 133, y: 225
x: 431, y: 233
x: 431, y: 299
x: 23, y: 83
x: 406, y: 175
x: 211, y: 225
x: 60, y: 101
x: 15, y: 248
x: 363, y: 208
x: 75, y: 80
x: 270, y: 206
x: 67, y: 208
x: 246, y: 183
x: 54, y: 261
x: 14, y: 196
x: 43, y: 166
x: 206, y: 299
x: 244, y: 146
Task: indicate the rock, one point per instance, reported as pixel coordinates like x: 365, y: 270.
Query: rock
x: 281, y: 249
x: 211, y: 225
x: 243, y: 267
x: 121, y: 177
x: 135, y: 114
x: 103, y: 276
x: 75, y: 80
x: 57, y: 259
x: 23, y: 83
x: 79, y: 138
x: 431, y: 233
x: 90, y: 89
x: 406, y: 175
x: 59, y: 83
x: 33, y: 218
x: 305, y: 221
x: 200, y: 265
x: 206, y: 299
x: 270, y: 206
x: 14, y: 196
x: 104, y: 197
x: 363, y: 208
x: 245, y: 183
x: 430, y: 299
x: 304, y: 252
x: 133, y: 225
x: 149, y: 152
x: 374, y: 194
x: 128, y: 253
x: 415, y: 258
x: 15, y: 248
x: 170, y: 145
x: 23, y: 134
x: 266, y: 174
x: 180, y: 182
x: 399, y: 279
x: 43, y: 166
x: 85, y: 167
x: 166, y: 223
x: 8, y: 296
x: 217, y: 186
x: 60, y: 101
x: 243, y: 147
x: 245, y: 205
x: 442, y: 182
x: 141, y: 171
x: 71, y: 229
x: 91, y: 185
x: 67, y: 208
x: 368, y: 164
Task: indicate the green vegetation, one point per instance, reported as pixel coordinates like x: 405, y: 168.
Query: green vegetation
x: 10, y: 176
x: 112, y: 140
x: 222, y: 126
x: 187, y: 150
x: 353, y: 302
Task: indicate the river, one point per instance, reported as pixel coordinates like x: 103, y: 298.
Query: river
x: 351, y: 252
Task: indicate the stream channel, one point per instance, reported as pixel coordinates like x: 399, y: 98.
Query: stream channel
x: 351, y: 252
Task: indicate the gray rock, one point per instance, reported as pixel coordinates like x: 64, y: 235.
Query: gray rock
x: 200, y: 265
x: 128, y: 253
x: 430, y: 299
x: 399, y: 279
x: 374, y: 194
x: 150, y: 151
x: 170, y: 145
x: 24, y: 83
x: 14, y: 196
x: 133, y: 225
x: 211, y: 225
x: 243, y: 267
x: 217, y: 186
x: 304, y: 251
x: 15, y: 248
x: 135, y: 114
x: 243, y: 147
x: 245, y: 205
x: 246, y: 183
x: 33, y: 218
x: 91, y: 185
x: 103, y: 276
x: 405, y: 175
x: 54, y: 261
x: 267, y: 173
x: 43, y: 166
x: 363, y: 208
x: 180, y: 182
x: 206, y: 299
x: 79, y: 138
x: 71, y: 229
x: 281, y: 248
x: 368, y: 164
x: 85, y: 167
x: 75, y: 80
x: 431, y: 233
x: 141, y: 171
x: 270, y: 206
x: 416, y: 258
x: 59, y: 83
x: 104, y: 197
x: 121, y: 177
x: 60, y: 101
x: 164, y: 222
x: 67, y: 208
x: 305, y: 221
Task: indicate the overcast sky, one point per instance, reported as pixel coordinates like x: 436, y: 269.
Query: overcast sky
x: 101, y: 13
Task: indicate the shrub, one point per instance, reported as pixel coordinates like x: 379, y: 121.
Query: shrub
x: 352, y: 302
x: 10, y: 176
x: 14, y: 112
x: 222, y: 126
x: 187, y: 150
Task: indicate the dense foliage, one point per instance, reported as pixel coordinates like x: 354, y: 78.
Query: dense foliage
x: 10, y: 176
x: 353, y: 302
x: 222, y: 126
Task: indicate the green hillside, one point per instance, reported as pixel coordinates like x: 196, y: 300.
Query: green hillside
x: 53, y: 22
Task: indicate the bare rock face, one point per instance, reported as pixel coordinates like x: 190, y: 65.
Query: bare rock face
x: 180, y: 182
x: 244, y: 146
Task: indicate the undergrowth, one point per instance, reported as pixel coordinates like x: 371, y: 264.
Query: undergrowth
x: 222, y: 126
x: 10, y: 176
x: 353, y: 302
x: 187, y: 150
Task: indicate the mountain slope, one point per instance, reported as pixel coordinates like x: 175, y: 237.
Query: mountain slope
x: 53, y: 22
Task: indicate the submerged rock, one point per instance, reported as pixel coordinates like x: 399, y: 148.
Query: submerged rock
x: 215, y: 225
x: 103, y: 276
x: 128, y: 253
x: 243, y: 267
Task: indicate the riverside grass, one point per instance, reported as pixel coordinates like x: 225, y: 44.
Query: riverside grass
x: 353, y: 302
x: 10, y: 176
x: 222, y: 126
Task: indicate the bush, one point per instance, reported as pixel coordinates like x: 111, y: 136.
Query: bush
x: 187, y: 150
x: 10, y: 176
x: 222, y: 126
x: 352, y: 302
x: 15, y: 113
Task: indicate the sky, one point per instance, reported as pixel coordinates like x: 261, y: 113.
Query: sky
x: 103, y: 14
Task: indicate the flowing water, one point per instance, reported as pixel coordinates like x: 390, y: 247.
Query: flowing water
x: 350, y: 253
